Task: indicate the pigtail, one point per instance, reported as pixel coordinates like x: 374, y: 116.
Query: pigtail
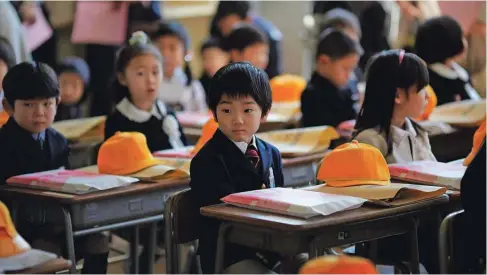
x: 189, y: 74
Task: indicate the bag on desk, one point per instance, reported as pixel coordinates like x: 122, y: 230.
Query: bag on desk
x: 429, y: 172
x: 151, y: 174
x: 466, y: 113
x: 293, y: 202
x: 394, y: 194
x: 81, y: 129
x: 302, y: 141
x: 70, y: 181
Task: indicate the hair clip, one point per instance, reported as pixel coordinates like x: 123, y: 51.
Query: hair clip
x: 401, y: 56
x: 138, y: 37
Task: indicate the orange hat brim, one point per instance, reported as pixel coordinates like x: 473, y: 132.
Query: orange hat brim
x: 131, y: 170
x: 346, y: 183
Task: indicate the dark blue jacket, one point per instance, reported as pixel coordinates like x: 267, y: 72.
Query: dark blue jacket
x: 220, y: 169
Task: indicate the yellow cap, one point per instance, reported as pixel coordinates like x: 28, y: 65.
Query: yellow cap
x: 478, y: 139
x: 352, y: 164
x: 11, y: 243
x: 207, y: 133
x: 287, y: 88
x: 341, y: 264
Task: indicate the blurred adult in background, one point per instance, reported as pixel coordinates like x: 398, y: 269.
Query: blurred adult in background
x: 11, y: 29
x: 373, y: 21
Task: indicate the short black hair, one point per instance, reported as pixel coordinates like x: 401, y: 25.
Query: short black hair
x: 340, y: 18
x: 237, y: 80
x: 30, y: 80
x: 7, y: 53
x: 172, y: 29
x: 438, y: 39
x: 243, y: 36
x: 336, y: 44
x: 75, y: 65
x: 226, y: 8
x: 212, y: 42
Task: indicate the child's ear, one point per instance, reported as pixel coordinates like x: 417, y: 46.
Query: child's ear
x: 400, y: 95
x: 121, y: 79
x: 7, y: 107
x: 264, y: 118
x: 324, y: 59
x: 58, y: 99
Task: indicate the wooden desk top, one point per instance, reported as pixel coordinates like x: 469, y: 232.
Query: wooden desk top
x: 290, y: 224
x: 25, y: 193
x: 49, y: 267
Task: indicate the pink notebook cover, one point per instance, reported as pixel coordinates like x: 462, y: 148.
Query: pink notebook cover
x: 98, y: 22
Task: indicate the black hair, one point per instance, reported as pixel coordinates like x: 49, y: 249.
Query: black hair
x: 238, y: 80
x: 243, y: 36
x: 373, y: 20
x: 177, y: 30
x: 226, y: 8
x: 384, y: 74
x: 336, y: 44
x: 211, y: 42
x: 7, y: 53
x: 340, y: 18
x: 438, y: 39
x: 30, y: 80
x: 139, y: 44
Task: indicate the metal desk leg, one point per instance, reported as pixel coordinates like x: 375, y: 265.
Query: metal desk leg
x: 152, y: 247
x: 134, y: 249
x: 220, y: 247
x: 68, y: 230
x: 414, y: 246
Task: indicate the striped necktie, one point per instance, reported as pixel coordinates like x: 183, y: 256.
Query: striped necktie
x: 252, y: 155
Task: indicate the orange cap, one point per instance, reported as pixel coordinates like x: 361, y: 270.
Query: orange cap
x: 354, y: 163
x: 11, y: 243
x: 287, y: 87
x: 338, y: 265
x: 3, y: 117
x: 207, y: 133
x: 432, y: 102
x: 125, y: 153
x: 478, y: 139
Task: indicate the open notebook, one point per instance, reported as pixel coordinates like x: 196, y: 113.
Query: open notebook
x: 301, y: 141
x: 395, y: 194
x: 465, y: 113
x: 293, y: 202
x: 430, y: 172
x: 151, y: 174
x: 70, y: 181
x: 82, y: 129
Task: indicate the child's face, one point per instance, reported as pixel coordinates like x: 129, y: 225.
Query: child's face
x: 411, y: 104
x: 213, y: 60
x: 3, y: 72
x: 239, y: 118
x: 257, y: 54
x: 143, y: 77
x: 172, y: 50
x: 35, y: 115
x: 71, y: 87
x: 338, y: 71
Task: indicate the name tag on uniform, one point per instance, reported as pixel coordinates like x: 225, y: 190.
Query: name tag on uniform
x: 272, y: 182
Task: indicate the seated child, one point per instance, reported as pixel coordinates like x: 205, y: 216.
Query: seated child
x: 139, y: 76
x: 328, y: 98
x: 441, y: 44
x: 246, y: 43
x: 74, y: 78
x: 178, y: 89
x: 7, y: 61
x: 234, y: 159
x: 395, y: 92
x: 214, y: 57
x: 29, y: 145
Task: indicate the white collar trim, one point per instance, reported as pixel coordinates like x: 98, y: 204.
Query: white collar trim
x: 456, y: 71
x: 129, y: 110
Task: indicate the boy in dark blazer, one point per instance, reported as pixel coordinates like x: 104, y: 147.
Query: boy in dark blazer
x: 234, y: 159
x: 28, y: 144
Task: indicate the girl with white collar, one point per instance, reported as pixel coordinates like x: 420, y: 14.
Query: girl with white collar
x: 139, y: 76
x: 395, y: 92
x: 178, y: 89
x: 441, y: 44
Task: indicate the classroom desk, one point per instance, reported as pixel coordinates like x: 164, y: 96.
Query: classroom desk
x: 49, y: 267
x: 291, y: 236
x: 452, y: 146
x: 129, y: 206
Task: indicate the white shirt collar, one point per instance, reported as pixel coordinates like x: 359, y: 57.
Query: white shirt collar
x: 129, y: 110
x: 398, y: 133
x: 242, y: 145
x: 456, y: 71
x: 178, y: 77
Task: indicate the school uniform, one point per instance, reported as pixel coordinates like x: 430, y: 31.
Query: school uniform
x: 451, y: 83
x: 182, y: 97
x: 221, y: 168
x: 22, y: 152
x: 67, y: 112
x: 322, y: 103
x: 159, y: 126
x: 408, y: 144
x: 205, y: 81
